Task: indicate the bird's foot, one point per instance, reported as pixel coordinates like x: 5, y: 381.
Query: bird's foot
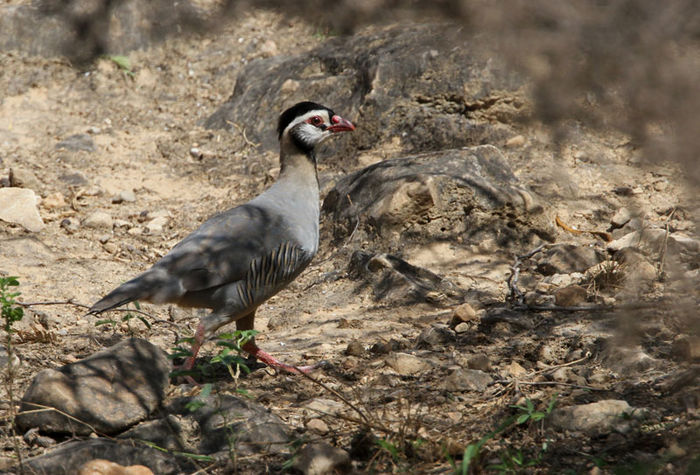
x: 183, y: 372
x: 268, y: 359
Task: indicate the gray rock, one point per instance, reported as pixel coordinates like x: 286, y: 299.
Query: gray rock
x: 102, y: 466
x: 514, y: 370
x: 25, y: 29
x: 626, y: 360
x: 19, y: 206
x: 77, y: 143
x: 571, y: 296
x: 389, y: 77
x: 463, y: 313
x: 321, y: 458
x: 127, y: 196
x: 98, y: 220
x: 318, y: 426
x: 435, y: 336
x: 480, y: 362
x: 74, y: 179
x: 621, y: 217
x: 323, y: 406
x: 157, y: 224
x: 67, y: 458
x: 649, y: 240
x: 71, y: 225
x: 467, y: 380
x: 396, y: 281
x: 34, y: 438
x: 5, y: 359
x: 462, y: 327
x: 355, y: 348
x: 406, y: 364
x: 167, y: 433
x: 595, y: 419
x: 106, y: 392
x: 46, y: 30
x: 24, y: 178
x: 686, y: 347
x: 226, y: 419
x: 636, y: 271
x: 686, y: 243
x: 471, y: 189
x: 567, y: 258
x: 639, y: 272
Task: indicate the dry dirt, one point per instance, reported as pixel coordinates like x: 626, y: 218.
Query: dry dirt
x: 144, y: 126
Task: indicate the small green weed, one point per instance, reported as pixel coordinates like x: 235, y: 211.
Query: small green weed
x: 230, y: 356
x: 123, y: 64
x: 126, y: 318
x: 512, y: 460
x: 11, y: 314
x: 530, y: 414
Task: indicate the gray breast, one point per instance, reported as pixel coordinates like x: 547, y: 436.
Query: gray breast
x: 269, y: 273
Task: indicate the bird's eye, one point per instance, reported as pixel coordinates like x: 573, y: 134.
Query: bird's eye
x: 315, y: 120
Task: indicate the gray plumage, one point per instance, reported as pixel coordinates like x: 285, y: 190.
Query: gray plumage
x: 239, y: 258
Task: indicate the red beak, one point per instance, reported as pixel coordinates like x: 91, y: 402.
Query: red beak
x: 340, y: 125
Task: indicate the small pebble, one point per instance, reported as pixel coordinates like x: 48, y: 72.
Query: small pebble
x: 53, y: 201
x: 515, y: 141
x: 111, y: 247
x: 463, y: 313
x: 621, y: 218
x: 196, y: 153
x: 97, y: 220
x: 124, y: 196
x: 318, y: 426
x: 70, y: 225
x: 570, y: 296
x: 355, y: 348
x: 480, y: 362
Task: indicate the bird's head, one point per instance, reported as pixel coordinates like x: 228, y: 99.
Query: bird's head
x: 308, y: 124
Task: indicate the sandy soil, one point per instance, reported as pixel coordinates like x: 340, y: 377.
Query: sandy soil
x: 145, y: 125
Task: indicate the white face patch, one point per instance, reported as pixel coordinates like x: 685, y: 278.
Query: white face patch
x: 309, y: 133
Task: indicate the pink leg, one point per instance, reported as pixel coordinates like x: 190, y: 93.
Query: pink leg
x: 248, y: 323
x: 273, y: 362
x: 196, y: 345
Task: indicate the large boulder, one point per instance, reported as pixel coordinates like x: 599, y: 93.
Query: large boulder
x: 225, y: 421
x: 84, y: 31
x: 421, y: 85
x: 68, y: 458
x: 464, y: 196
x: 106, y: 392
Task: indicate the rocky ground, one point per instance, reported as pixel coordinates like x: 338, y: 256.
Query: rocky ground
x: 521, y: 303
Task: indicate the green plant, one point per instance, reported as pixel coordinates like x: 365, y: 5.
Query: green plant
x: 515, y: 460
x: 528, y: 412
x: 126, y: 318
x: 197, y: 402
x: 390, y: 448
x: 512, y: 460
x: 123, y: 64
x: 11, y: 314
x: 230, y: 354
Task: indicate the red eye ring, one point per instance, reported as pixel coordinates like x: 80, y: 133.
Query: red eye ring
x: 315, y: 120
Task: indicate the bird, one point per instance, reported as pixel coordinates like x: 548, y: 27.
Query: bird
x: 239, y: 258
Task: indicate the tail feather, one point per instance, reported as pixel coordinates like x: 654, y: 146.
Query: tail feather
x: 154, y: 285
x: 122, y: 295
x: 125, y: 293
